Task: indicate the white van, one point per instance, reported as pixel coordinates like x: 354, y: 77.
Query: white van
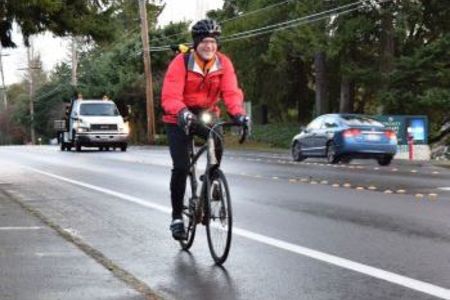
x: 94, y: 123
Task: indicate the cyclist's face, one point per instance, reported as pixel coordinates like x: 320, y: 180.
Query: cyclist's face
x: 207, y: 48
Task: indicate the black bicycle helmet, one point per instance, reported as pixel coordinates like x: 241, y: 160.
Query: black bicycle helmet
x: 205, y: 28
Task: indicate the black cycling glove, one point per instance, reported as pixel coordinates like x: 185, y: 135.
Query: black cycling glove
x: 241, y: 120
x: 185, y: 118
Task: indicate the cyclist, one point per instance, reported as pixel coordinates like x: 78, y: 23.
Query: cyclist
x: 193, y: 83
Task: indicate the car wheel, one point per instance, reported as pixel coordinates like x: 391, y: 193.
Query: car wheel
x: 331, y: 153
x: 77, y: 145
x: 346, y: 159
x: 297, y: 152
x: 385, y: 160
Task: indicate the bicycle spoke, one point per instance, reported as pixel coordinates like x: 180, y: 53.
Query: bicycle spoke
x: 220, y: 218
x: 189, y: 217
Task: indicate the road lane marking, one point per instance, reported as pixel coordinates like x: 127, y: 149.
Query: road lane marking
x: 122, y: 274
x: 432, y: 196
x: 411, y: 283
x: 106, y: 191
x: 401, y: 280
x: 444, y: 188
x: 20, y: 228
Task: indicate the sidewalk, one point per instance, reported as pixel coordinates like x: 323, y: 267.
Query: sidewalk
x: 37, y: 263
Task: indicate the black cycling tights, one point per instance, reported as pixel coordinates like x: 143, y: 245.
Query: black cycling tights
x: 179, y: 145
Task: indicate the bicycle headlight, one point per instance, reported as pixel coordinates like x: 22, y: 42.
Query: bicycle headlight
x: 206, y: 117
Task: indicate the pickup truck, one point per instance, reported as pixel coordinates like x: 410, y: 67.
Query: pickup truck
x: 93, y: 123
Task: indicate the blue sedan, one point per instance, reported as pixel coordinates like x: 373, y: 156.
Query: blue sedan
x: 342, y: 137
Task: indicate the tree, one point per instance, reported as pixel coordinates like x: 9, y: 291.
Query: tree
x: 76, y: 17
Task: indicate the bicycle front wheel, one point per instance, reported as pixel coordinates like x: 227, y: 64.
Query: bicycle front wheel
x: 219, y: 216
x: 189, y: 216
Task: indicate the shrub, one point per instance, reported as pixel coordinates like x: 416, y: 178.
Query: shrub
x: 276, y: 135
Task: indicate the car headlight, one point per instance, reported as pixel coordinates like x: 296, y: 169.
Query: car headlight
x: 79, y: 123
x: 82, y: 129
x: 125, y: 128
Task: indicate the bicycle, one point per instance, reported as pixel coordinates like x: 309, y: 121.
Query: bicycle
x: 212, y: 207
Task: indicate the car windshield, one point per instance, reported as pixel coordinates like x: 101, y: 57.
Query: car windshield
x: 361, y: 121
x: 98, y: 109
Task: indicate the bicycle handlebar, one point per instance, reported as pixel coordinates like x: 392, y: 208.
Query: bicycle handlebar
x: 244, y: 132
x: 243, y: 135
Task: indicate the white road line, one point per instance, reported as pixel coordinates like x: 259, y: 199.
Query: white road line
x: 20, y: 228
x: 401, y: 280
x: 107, y: 191
x: 447, y: 188
x: 411, y: 283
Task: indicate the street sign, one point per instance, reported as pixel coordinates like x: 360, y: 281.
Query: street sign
x: 403, y: 125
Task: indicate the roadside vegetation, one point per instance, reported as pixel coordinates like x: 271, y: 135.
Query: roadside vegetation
x: 294, y: 59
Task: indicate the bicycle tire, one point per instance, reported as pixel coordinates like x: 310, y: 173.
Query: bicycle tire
x: 189, y: 215
x: 218, y: 233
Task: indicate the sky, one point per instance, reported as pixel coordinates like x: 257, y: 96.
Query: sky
x: 54, y: 50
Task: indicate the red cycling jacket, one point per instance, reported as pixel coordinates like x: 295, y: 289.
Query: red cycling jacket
x: 187, y: 86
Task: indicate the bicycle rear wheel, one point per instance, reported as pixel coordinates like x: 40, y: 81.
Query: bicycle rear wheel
x: 219, y: 216
x: 189, y: 216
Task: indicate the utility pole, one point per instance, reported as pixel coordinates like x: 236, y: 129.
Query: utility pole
x: 74, y: 81
x: 5, y: 98
x: 148, y: 72
x: 31, y: 92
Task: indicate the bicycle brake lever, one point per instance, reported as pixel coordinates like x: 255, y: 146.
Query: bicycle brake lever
x: 244, y: 134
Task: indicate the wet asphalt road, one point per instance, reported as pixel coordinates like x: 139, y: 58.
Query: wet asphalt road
x: 302, y: 230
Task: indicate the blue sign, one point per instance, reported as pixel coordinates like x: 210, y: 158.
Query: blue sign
x: 404, y: 125
x: 417, y: 129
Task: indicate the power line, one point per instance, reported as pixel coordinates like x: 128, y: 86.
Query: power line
x: 286, y: 24
x: 299, y: 21
x: 230, y: 19
x: 49, y: 93
x: 293, y: 21
x: 129, y: 36
x: 256, y: 11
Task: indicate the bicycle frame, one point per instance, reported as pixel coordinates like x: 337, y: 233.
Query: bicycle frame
x: 209, y: 148
x: 200, y: 208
